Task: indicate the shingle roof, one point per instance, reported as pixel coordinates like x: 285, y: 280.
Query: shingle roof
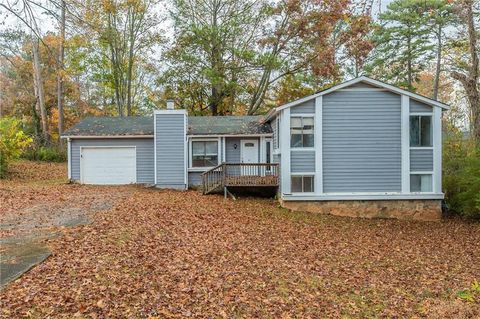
x: 108, y: 126
x: 197, y: 125
x: 228, y: 125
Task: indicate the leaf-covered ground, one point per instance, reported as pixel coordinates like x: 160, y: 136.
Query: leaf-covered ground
x: 168, y: 254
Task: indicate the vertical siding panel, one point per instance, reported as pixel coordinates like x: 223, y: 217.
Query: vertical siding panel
x: 170, y: 148
x: 361, y: 142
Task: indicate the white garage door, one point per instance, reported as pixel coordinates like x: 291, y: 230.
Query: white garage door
x: 108, y: 165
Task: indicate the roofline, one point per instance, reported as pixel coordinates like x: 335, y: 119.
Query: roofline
x: 107, y: 136
x: 362, y: 78
x: 178, y: 111
x: 269, y: 115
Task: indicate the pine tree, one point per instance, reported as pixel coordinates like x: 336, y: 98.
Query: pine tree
x: 403, y: 45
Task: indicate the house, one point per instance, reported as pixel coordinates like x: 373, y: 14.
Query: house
x: 361, y: 148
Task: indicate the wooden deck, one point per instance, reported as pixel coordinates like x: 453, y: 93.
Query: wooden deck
x: 240, y: 175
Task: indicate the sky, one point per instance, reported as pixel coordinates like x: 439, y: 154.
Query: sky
x: 48, y: 24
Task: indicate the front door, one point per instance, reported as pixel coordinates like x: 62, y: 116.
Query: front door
x: 249, y: 154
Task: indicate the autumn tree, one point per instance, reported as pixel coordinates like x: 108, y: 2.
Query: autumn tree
x: 39, y: 89
x: 467, y: 66
x: 212, y: 51
x: 60, y: 68
x: 229, y: 55
x: 357, y: 40
x: 125, y: 30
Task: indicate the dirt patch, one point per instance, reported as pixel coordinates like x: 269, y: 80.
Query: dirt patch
x: 35, y: 209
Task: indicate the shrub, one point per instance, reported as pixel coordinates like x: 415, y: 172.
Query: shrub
x: 471, y: 294
x: 461, y: 175
x: 12, y: 142
x: 45, y: 154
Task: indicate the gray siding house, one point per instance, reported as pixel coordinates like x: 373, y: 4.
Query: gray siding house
x: 361, y: 148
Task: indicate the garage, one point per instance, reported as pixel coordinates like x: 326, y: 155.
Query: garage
x: 109, y: 165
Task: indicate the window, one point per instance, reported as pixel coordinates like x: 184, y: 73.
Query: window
x: 204, y: 153
x: 268, y: 155
x: 277, y: 133
x: 420, y: 183
x: 302, y: 184
x: 420, y: 130
x: 301, y: 132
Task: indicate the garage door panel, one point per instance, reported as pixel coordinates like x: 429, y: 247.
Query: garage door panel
x: 108, y: 165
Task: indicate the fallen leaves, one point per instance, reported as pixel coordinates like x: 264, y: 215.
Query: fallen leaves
x: 169, y: 254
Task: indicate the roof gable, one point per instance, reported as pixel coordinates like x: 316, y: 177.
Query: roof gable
x: 362, y: 81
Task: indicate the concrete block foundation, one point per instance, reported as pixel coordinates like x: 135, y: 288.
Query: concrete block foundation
x: 426, y: 210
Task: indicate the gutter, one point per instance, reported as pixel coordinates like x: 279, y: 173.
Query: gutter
x: 106, y: 136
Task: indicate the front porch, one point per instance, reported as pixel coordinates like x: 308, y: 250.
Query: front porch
x: 240, y: 175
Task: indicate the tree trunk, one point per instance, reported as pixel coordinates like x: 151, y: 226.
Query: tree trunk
x: 130, y: 76
x: 470, y: 80
x: 61, y: 54
x: 259, y: 95
x: 36, y: 120
x: 115, y: 62
x: 409, y: 63
x: 436, y: 83
x: 38, y: 83
x: 213, y: 105
x: 131, y: 55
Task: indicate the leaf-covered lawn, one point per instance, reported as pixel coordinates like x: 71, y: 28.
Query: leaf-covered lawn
x: 169, y: 254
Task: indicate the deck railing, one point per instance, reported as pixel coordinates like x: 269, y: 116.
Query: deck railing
x: 240, y: 174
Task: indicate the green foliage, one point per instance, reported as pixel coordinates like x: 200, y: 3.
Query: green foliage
x: 461, y: 175
x: 12, y: 142
x: 471, y: 294
x: 405, y: 45
x: 45, y: 154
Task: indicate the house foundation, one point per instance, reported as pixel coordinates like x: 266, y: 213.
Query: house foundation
x: 425, y: 210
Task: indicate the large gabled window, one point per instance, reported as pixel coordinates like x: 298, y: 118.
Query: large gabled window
x: 301, y: 131
x: 204, y: 154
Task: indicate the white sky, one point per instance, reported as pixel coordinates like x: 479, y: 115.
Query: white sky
x: 48, y: 24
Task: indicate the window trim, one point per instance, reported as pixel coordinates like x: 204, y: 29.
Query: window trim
x: 276, y: 139
x: 420, y: 115
x: 422, y: 173
x: 312, y: 175
x: 190, y: 152
x: 302, y: 116
x: 265, y: 141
